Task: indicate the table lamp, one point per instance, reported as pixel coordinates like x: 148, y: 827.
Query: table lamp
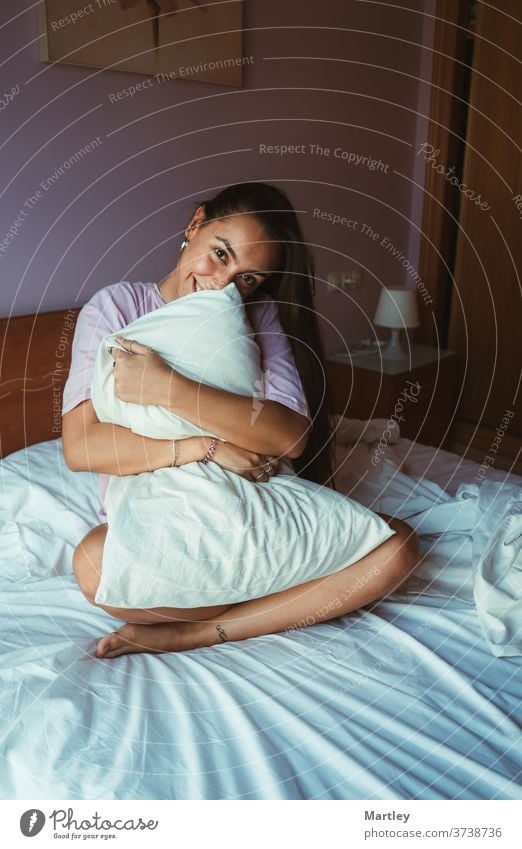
x: 396, y: 309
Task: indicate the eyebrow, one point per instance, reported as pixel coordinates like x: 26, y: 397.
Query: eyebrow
x: 232, y: 251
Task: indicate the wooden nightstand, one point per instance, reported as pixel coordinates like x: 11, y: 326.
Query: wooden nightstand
x: 368, y: 386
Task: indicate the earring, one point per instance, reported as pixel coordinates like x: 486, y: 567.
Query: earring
x: 183, y: 245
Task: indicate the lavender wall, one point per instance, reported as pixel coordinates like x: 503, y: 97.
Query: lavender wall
x: 118, y: 211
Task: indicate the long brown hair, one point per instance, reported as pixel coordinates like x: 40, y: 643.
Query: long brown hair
x: 292, y: 288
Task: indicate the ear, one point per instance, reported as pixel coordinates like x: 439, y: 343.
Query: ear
x: 195, y: 221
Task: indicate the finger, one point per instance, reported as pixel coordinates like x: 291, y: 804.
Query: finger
x: 259, y: 473
x: 270, y: 466
x: 132, y: 346
x: 273, y: 460
x: 257, y: 477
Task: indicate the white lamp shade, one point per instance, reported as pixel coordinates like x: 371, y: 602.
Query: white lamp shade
x: 397, y: 307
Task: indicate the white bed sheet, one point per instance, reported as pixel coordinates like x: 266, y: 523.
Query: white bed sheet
x: 400, y: 700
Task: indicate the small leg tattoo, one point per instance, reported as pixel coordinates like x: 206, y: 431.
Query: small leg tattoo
x: 222, y: 633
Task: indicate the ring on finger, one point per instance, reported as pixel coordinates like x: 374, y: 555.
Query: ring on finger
x: 268, y: 468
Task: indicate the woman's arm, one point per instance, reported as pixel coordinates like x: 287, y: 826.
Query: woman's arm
x: 264, y: 426
x: 93, y: 446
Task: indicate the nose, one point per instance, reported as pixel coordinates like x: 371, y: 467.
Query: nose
x: 212, y: 272
x: 219, y: 278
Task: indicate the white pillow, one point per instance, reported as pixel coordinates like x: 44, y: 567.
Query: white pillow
x: 198, y: 535
x: 216, y: 346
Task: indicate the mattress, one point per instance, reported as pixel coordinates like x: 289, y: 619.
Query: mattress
x: 402, y: 699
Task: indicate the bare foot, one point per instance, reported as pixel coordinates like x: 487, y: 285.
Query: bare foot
x: 131, y: 637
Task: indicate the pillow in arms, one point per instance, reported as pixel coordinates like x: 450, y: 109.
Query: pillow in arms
x: 205, y: 336
x: 198, y: 535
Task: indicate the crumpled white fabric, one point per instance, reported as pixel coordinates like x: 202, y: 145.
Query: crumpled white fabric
x: 471, y: 543
x: 198, y: 535
x: 348, y: 431
x: 497, y: 556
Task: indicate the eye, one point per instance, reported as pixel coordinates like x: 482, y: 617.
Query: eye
x: 221, y: 254
x: 248, y: 279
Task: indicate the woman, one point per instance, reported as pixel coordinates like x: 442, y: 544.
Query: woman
x: 247, y: 234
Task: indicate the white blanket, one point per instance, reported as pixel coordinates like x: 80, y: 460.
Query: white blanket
x: 432, y: 714
x: 198, y: 535
x: 471, y: 543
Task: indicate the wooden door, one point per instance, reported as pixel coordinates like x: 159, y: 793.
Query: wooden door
x: 485, y: 326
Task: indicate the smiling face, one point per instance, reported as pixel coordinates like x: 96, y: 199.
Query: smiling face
x: 230, y: 249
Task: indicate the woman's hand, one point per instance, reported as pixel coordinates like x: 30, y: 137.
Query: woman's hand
x: 141, y: 376
x: 255, y: 467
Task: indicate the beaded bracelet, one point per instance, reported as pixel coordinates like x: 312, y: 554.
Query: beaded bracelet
x: 210, y: 451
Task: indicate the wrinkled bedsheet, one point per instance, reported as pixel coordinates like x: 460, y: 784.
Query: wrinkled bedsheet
x: 402, y: 699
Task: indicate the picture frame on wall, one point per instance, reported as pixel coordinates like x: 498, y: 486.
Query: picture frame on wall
x: 200, y: 41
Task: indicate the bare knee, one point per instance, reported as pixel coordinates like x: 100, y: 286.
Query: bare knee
x: 87, y: 561
x: 404, y: 549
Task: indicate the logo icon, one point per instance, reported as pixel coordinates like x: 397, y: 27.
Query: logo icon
x: 259, y: 394
x: 32, y: 822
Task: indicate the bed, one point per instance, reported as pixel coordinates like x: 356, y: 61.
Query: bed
x: 403, y: 699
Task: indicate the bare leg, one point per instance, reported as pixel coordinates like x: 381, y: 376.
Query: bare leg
x: 87, y: 563
x: 369, y: 579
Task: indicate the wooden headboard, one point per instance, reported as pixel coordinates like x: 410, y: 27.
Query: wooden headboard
x: 35, y: 356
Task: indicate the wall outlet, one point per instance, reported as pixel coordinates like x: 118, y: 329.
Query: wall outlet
x: 345, y: 281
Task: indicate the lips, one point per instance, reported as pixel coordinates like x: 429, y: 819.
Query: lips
x: 195, y: 286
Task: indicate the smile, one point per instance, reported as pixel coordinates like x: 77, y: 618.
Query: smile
x: 195, y: 286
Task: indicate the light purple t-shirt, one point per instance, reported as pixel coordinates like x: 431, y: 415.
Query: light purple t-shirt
x: 113, y: 307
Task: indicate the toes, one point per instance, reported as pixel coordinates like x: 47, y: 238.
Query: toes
x: 119, y: 642
x: 105, y: 645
